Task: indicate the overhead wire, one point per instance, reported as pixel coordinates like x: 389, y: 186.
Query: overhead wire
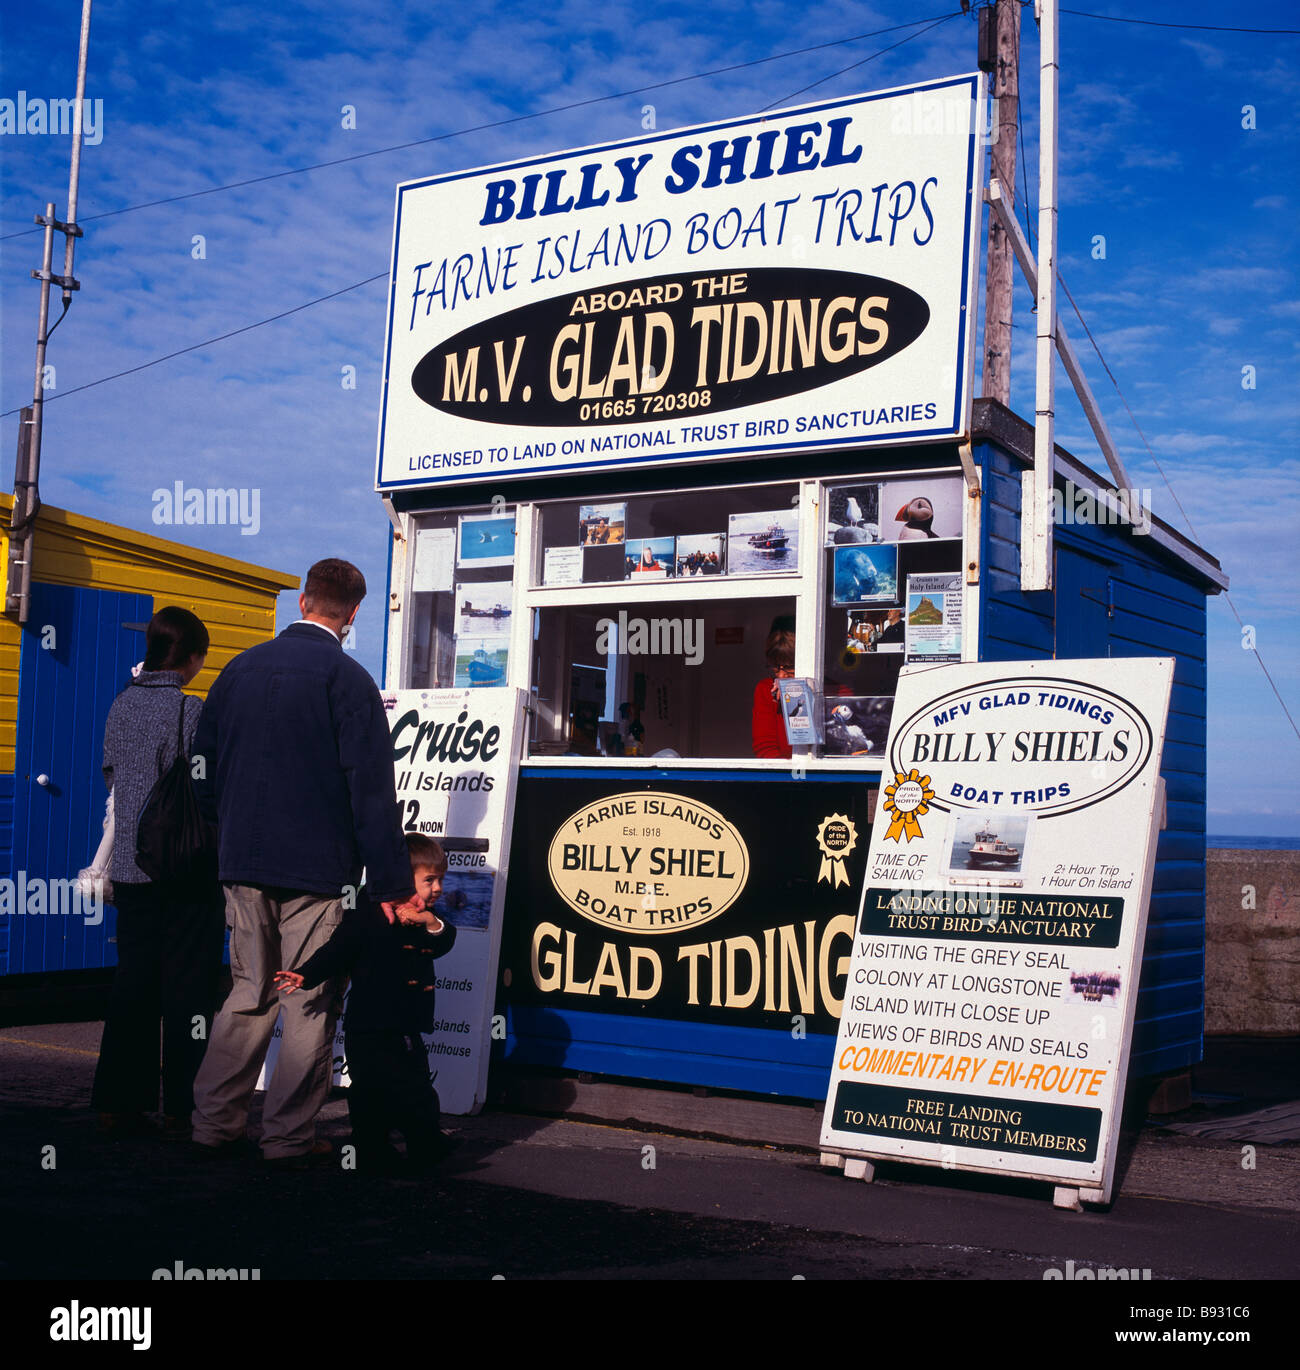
x: 194, y: 347
x: 1155, y: 461
x: 1172, y: 493
x: 785, y: 99
x: 207, y: 342
x: 932, y: 22
x: 504, y: 123
x: 929, y: 24
x: 1161, y: 24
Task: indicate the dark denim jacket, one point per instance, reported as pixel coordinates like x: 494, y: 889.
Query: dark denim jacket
x: 299, y: 770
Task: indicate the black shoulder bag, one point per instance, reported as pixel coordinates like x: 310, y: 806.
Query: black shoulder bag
x: 173, y: 840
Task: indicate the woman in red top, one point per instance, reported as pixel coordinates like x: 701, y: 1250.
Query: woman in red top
x: 648, y: 564
x: 767, y: 727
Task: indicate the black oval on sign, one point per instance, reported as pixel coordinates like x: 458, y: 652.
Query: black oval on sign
x: 647, y: 350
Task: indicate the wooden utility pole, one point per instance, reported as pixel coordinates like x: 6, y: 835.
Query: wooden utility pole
x: 996, y: 381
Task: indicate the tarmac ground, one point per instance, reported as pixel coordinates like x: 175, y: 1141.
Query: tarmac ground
x: 529, y: 1197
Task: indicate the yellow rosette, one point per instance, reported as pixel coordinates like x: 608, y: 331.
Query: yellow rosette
x: 836, y: 837
x: 907, y: 799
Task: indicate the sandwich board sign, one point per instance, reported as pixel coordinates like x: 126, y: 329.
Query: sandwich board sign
x: 989, y: 1007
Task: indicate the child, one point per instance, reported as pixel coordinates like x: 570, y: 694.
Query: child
x: 389, y: 1006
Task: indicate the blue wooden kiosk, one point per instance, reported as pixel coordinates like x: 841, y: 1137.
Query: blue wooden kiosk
x: 748, y: 1000
x: 653, y: 408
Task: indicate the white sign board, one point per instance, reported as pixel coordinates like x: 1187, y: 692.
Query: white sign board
x: 787, y: 282
x: 453, y: 756
x: 990, y: 998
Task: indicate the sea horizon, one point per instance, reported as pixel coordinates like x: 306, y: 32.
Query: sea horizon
x: 1248, y: 842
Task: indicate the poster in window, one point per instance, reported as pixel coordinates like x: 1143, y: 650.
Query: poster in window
x: 702, y: 554
x: 921, y: 509
x: 874, y: 630
x: 852, y: 514
x: 562, y: 566
x: 435, y: 557
x: 650, y: 558
x: 857, y: 725
x: 599, y: 525
x: 483, y: 609
x: 764, y: 543
x: 934, y: 617
x: 866, y: 575
x: 481, y: 661
x: 486, y: 540
x: 798, y: 700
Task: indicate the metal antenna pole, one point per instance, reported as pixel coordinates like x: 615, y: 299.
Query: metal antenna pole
x: 74, y: 172
x: 27, y: 503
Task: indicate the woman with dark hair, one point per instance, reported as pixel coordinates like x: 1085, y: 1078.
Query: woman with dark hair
x: 169, y: 934
x: 767, y: 728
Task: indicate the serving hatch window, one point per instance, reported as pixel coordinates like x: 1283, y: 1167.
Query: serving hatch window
x: 665, y: 625
x: 650, y: 678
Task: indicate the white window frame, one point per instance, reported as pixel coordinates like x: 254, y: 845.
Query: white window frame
x: 806, y: 586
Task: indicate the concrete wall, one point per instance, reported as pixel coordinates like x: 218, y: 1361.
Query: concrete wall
x: 1252, y: 955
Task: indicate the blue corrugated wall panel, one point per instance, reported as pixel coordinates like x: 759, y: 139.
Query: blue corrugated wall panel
x: 75, y: 656
x: 751, y: 1059
x: 1149, y: 609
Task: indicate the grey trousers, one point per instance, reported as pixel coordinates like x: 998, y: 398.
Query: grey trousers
x: 270, y: 930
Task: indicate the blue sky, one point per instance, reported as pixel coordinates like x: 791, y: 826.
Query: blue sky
x: 1197, y: 281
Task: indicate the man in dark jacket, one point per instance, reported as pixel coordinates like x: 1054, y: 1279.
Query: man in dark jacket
x: 299, y: 770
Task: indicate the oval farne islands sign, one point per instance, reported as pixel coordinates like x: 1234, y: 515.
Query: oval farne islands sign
x: 648, y: 863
